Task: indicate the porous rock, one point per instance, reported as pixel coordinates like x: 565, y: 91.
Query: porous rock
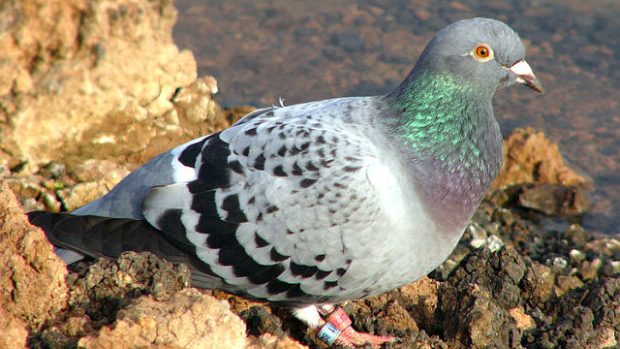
x: 13, y: 331
x: 475, y: 303
x: 587, y: 317
x: 97, y: 292
x: 554, y: 199
x: 187, y: 319
x: 96, y: 79
x: 109, y: 285
x: 530, y: 157
x: 269, y: 341
x: 94, y: 178
x: 32, y: 278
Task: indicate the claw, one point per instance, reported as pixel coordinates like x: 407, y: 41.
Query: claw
x: 338, y: 331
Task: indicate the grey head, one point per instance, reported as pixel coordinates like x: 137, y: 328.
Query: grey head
x: 481, y: 50
x: 444, y: 116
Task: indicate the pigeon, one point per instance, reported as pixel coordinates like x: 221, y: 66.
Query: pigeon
x: 313, y: 204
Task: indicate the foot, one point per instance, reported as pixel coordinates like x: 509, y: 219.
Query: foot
x: 338, y: 331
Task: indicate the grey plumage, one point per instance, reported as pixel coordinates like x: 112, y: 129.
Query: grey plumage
x: 317, y: 202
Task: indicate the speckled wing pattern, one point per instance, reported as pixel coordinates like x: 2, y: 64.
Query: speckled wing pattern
x: 276, y: 199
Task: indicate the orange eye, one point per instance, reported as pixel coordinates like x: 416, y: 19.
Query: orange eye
x: 483, y: 52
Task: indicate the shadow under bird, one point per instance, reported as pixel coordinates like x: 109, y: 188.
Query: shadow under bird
x: 312, y: 204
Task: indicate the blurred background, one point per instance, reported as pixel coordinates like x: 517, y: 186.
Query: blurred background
x: 300, y: 51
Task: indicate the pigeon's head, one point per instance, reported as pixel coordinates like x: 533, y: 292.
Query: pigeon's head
x: 485, y: 51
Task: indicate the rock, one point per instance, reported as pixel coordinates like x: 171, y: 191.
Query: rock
x: 93, y: 79
x: 29, y: 190
x: 13, y: 330
x: 99, y: 291
x: 494, y: 243
x: 522, y: 320
x: 93, y: 170
x: 109, y: 285
x: 269, y: 341
x: 589, y: 270
x: 487, y: 325
x: 382, y: 314
x: 529, y: 157
x: 66, y: 331
x: 53, y: 170
x: 81, y: 194
x: 348, y: 41
x: 5, y: 171
x: 238, y: 304
x: 139, y: 299
x: 587, y: 317
x: 396, y: 320
x: 423, y: 14
x: 95, y: 178
x: 32, y: 278
x: 260, y: 321
x: 501, y: 272
x: 470, y: 318
x: 539, y: 281
x: 195, y: 103
x: 609, y: 247
x: 554, y: 199
x: 611, y: 268
x: 566, y: 283
x: 188, y: 319
x: 577, y: 236
x: 474, y: 302
x: 420, y: 298
x: 478, y: 235
x: 576, y: 256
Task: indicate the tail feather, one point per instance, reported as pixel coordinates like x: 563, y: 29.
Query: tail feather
x: 97, y: 236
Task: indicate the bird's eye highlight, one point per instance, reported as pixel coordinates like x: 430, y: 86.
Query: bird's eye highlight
x: 483, y: 52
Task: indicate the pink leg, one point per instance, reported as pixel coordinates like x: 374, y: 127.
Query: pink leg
x: 338, y: 325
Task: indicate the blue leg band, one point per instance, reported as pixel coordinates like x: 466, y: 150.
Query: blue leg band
x: 328, y: 333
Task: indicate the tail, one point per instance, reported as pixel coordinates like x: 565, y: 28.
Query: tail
x: 97, y: 236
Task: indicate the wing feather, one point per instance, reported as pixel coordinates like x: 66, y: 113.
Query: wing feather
x: 273, y: 198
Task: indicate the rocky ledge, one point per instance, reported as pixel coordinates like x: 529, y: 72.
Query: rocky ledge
x: 78, y: 112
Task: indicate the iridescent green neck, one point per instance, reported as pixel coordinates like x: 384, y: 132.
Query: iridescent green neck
x: 450, y: 135
x: 439, y: 117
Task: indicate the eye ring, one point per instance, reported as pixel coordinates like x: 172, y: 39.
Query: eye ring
x: 483, y: 53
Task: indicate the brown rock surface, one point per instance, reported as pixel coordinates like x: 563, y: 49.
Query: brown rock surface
x: 98, y: 291
x: 141, y: 300
x: 522, y: 320
x: 269, y: 341
x: 529, y: 157
x: 95, y: 178
x: 188, y: 319
x: 32, y: 285
x: 13, y: 332
x: 588, y: 317
x: 554, y: 199
x: 420, y: 299
x: 94, y: 78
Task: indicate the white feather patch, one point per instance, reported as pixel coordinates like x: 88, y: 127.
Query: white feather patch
x: 180, y: 172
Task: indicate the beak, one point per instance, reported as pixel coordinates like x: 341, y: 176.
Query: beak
x: 526, y: 76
